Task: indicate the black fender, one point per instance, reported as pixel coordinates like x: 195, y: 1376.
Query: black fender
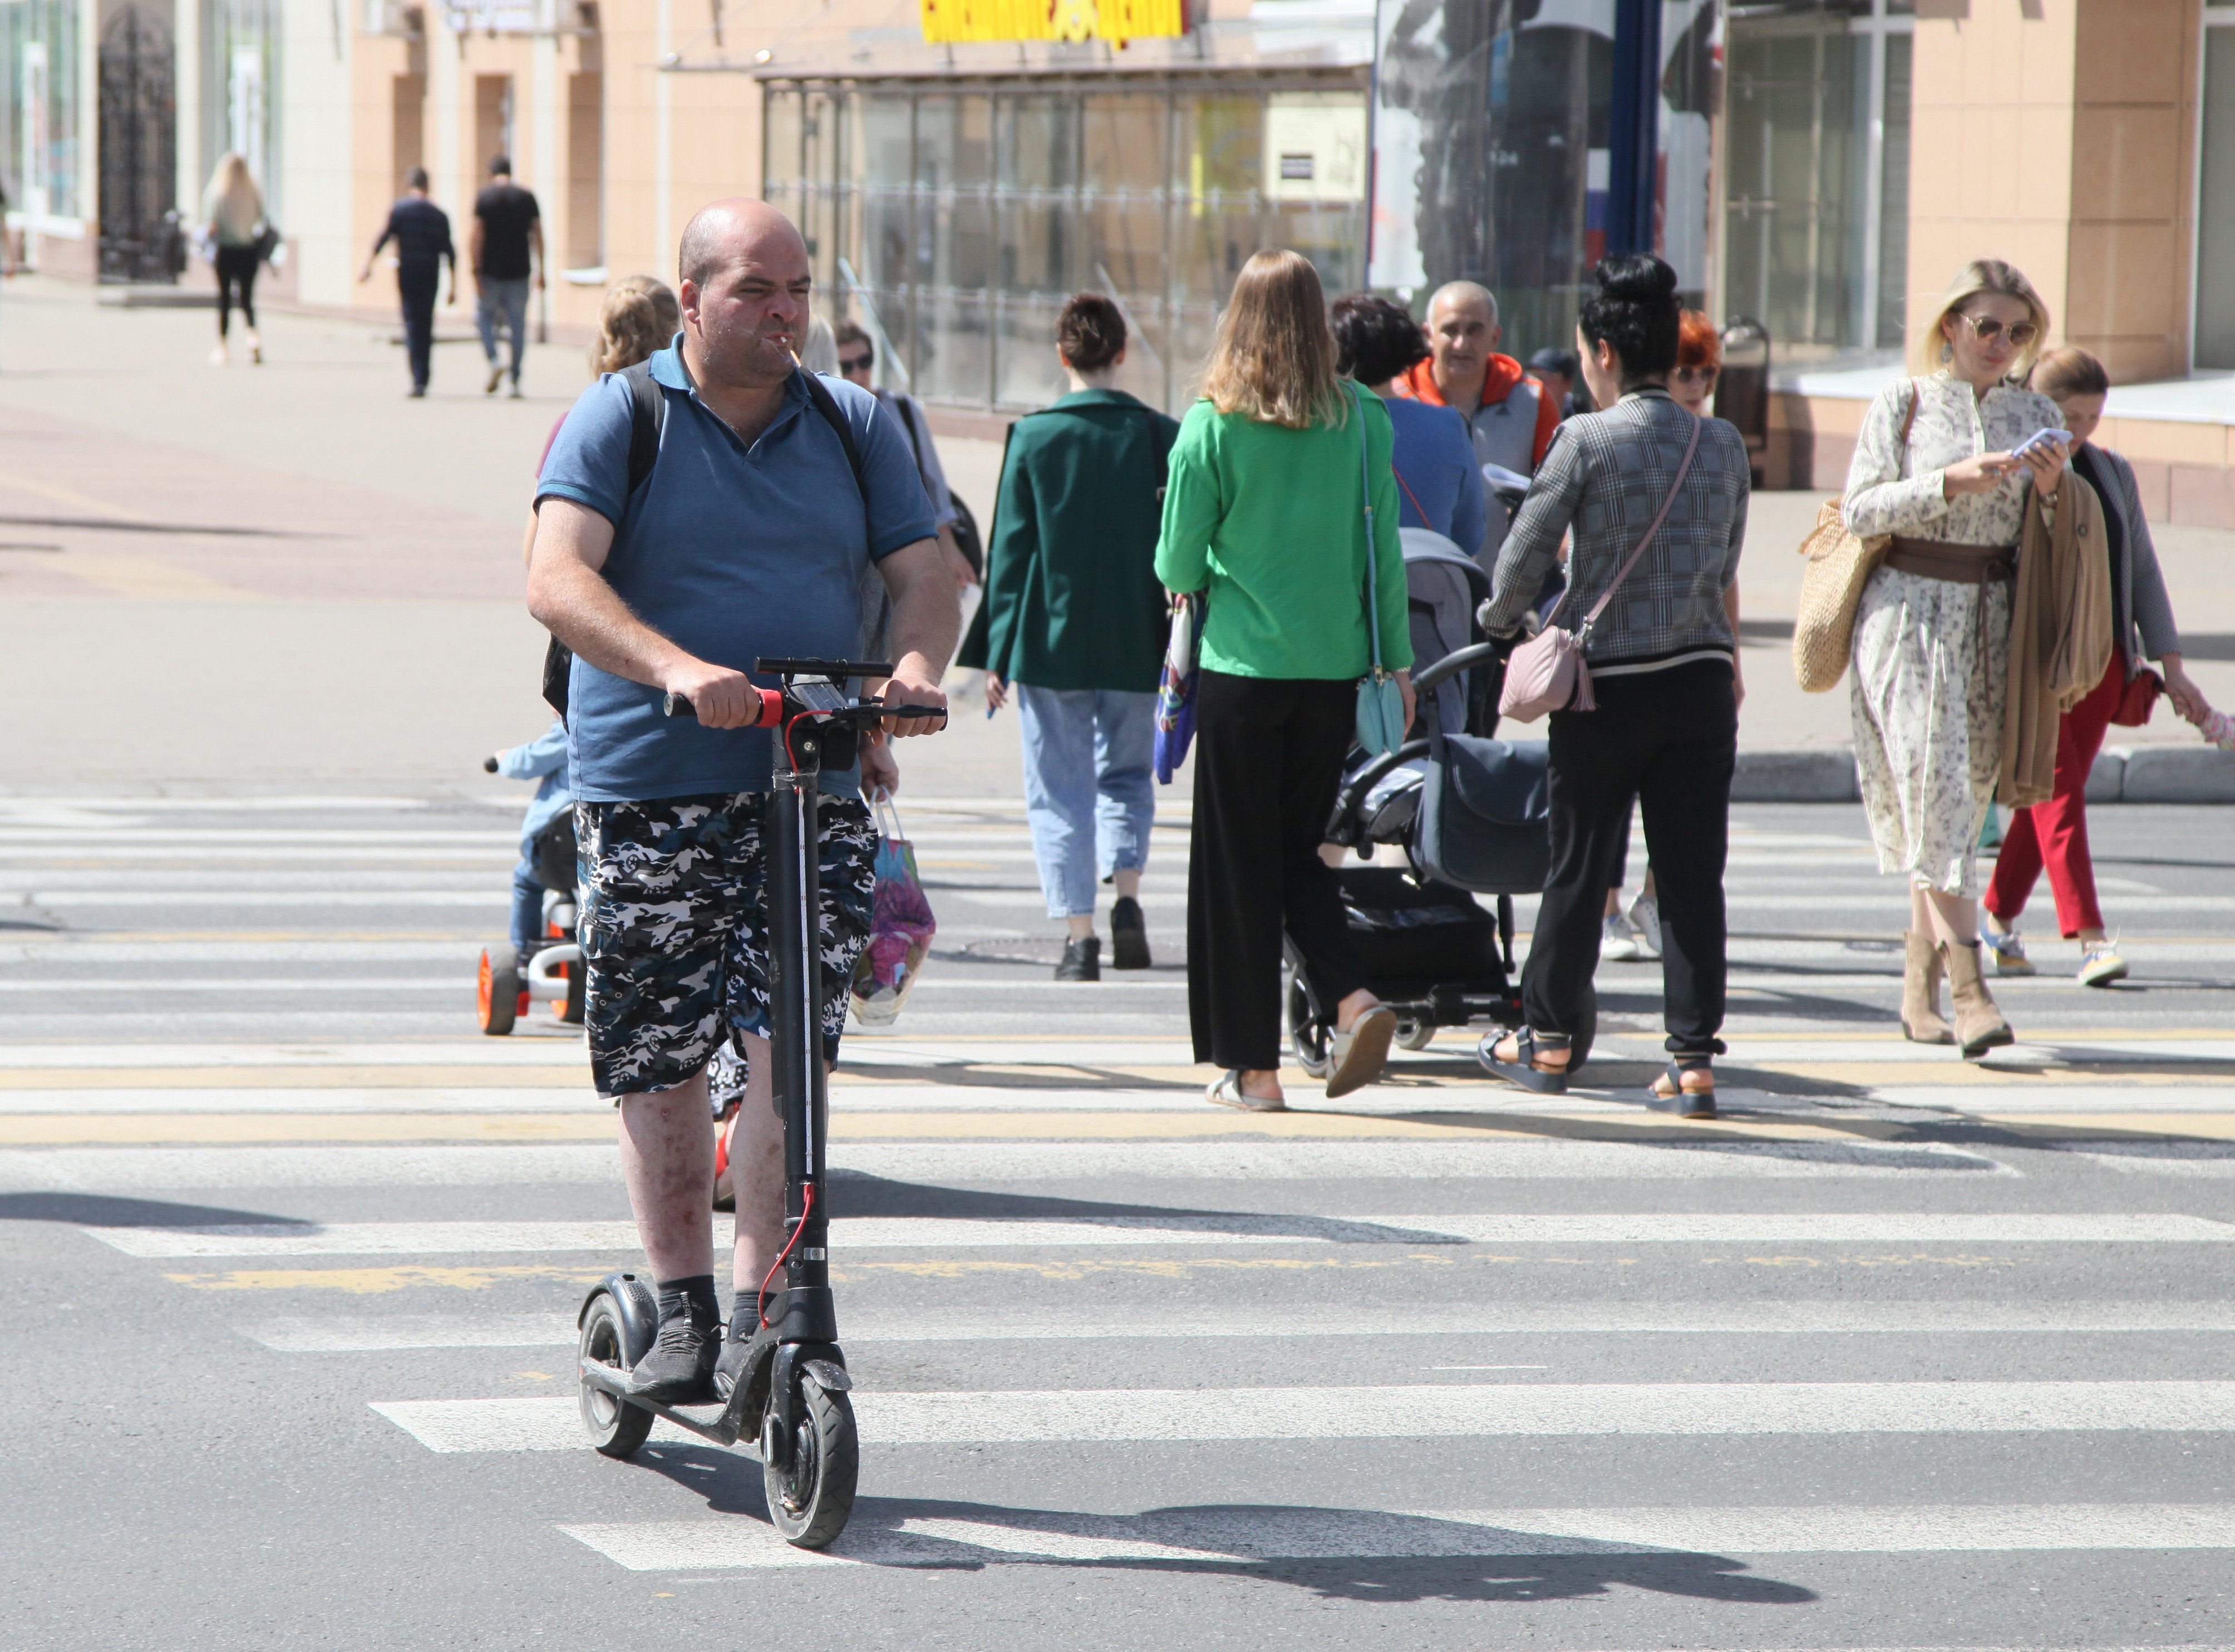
x: 636, y: 1307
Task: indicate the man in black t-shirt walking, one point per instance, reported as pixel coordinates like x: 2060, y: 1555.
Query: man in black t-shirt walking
x: 421, y: 231
x: 506, y: 249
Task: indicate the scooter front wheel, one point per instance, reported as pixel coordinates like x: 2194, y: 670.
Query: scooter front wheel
x: 810, y: 1501
x: 615, y: 1428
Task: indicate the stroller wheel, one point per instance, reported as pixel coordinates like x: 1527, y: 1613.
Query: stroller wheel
x: 1311, y: 1039
x: 1415, y: 1035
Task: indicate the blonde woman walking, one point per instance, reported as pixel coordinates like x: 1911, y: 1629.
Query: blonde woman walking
x: 1934, y: 468
x: 232, y: 216
x: 1264, y: 512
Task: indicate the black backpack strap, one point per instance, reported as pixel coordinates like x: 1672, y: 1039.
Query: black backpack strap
x: 647, y: 417
x: 834, y: 416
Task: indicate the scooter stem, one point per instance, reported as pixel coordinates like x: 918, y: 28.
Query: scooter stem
x: 798, y: 1084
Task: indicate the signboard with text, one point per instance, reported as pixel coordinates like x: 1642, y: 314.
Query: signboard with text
x: 947, y: 22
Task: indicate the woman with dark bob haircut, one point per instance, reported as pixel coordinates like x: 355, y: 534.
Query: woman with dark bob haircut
x: 1661, y: 658
x: 1438, y: 483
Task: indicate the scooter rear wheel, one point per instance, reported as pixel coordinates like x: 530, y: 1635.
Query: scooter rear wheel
x: 615, y: 1428
x: 810, y: 1501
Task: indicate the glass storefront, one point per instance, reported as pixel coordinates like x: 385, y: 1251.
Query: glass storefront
x: 2214, y: 348
x: 39, y: 150
x: 953, y: 220
x: 242, y: 49
x: 1816, y: 218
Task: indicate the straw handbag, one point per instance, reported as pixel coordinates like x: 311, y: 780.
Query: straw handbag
x: 1839, y: 564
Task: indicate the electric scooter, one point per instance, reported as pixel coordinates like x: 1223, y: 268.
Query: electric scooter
x: 792, y: 1396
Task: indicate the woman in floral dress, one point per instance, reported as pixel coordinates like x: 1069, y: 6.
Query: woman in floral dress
x: 1931, y: 649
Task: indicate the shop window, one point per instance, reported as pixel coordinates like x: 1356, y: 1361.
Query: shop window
x: 407, y: 128
x: 2215, y: 215
x: 953, y: 224
x: 39, y: 110
x: 1815, y: 232
x: 243, y: 101
x: 585, y: 170
x: 491, y: 124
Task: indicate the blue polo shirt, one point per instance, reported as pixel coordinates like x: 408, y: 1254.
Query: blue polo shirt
x: 732, y: 552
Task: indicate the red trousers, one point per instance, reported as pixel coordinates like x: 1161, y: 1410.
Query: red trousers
x: 2056, y: 831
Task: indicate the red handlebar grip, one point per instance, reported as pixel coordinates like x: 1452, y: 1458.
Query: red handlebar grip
x: 771, y: 708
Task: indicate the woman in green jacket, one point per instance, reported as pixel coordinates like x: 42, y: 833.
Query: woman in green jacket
x: 1266, y: 514
x: 1075, y: 622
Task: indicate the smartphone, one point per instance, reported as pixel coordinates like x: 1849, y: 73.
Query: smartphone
x: 2039, y: 439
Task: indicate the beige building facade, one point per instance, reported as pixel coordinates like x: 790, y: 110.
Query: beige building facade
x: 1826, y: 166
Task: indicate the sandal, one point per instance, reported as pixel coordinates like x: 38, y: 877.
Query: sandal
x: 1362, y: 1052
x: 1527, y: 1044
x: 1228, y: 1092
x: 1673, y: 1094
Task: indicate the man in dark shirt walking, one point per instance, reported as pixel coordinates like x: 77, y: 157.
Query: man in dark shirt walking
x: 421, y: 231
x: 506, y: 248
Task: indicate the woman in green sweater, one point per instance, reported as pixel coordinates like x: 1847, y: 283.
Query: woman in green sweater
x: 1075, y: 623
x: 1265, y: 514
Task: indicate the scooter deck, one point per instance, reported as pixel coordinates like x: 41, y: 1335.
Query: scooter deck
x: 708, y: 1422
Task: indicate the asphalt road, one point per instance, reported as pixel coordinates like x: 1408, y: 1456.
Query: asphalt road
x: 1902, y: 1353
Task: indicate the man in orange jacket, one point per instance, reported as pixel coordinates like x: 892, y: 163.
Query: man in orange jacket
x: 1509, y: 415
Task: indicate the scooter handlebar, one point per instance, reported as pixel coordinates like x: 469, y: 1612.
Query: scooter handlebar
x: 771, y: 712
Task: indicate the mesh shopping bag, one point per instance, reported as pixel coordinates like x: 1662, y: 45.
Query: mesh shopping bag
x: 900, y: 924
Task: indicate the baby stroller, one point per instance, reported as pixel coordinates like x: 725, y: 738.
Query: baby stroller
x: 1471, y: 813
x: 555, y: 970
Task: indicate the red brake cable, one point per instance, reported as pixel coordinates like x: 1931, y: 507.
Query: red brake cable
x: 807, y: 1210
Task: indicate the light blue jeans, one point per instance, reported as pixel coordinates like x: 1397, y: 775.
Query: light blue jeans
x: 1089, y: 791
x: 506, y: 302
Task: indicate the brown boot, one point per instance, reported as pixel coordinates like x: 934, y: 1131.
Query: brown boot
x: 1920, y: 992
x: 1979, y: 1025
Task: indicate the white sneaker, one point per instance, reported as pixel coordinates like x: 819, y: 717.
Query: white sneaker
x: 1645, y: 918
x: 2100, y: 963
x: 495, y: 378
x: 1618, y: 940
x: 2009, y: 954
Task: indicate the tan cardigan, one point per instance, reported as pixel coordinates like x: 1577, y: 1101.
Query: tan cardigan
x: 2060, y: 633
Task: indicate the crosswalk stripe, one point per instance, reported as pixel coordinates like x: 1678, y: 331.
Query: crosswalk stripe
x: 1228, y: 1537
x: 1527, y: 1158
x: 405, y: 1238
x: 362, y: 1333
x: 1416, y: 1412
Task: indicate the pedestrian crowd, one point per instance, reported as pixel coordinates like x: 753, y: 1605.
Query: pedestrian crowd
x: 1239, y: 578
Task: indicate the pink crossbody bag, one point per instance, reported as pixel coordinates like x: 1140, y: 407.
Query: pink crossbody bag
x: 1548, y: 672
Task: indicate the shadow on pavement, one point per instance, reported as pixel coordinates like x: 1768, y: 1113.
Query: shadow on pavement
x: 1337, y: 1554
x: 102, y: 1211
x: 855, y: 1194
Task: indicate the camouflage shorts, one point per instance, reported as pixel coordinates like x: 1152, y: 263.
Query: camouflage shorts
x: 676, y: 937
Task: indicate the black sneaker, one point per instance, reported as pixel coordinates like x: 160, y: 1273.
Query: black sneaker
x: 1082, y: 961
x: 678, y: 1369
x: 731, y: 1367
x: 1129, y: 934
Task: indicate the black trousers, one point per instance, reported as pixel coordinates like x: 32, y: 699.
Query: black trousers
x: 236, y: 283
x: 1669, y: 739
x: 418, y: 290
x: 1268, y: 755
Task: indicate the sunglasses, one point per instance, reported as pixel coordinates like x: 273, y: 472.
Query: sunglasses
x: 1697, y: 375
x: 1986, y: 328
x: 861, y: 363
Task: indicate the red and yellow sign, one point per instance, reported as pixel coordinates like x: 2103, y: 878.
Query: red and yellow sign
x: 946, y: 22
